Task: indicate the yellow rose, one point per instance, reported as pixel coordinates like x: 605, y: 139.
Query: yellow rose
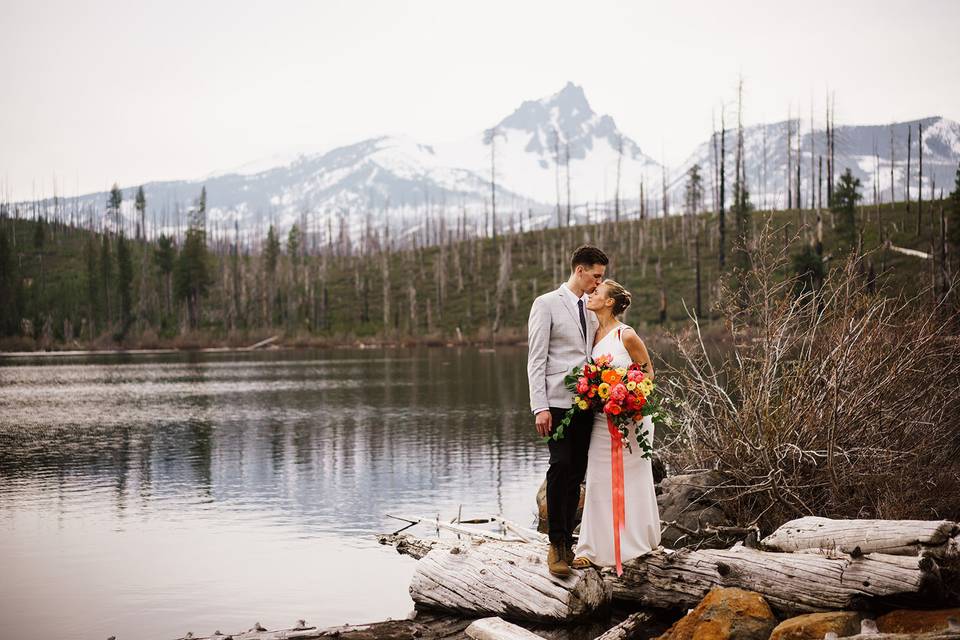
x: 646, y: 387
x: 631, y: 385
x: 583, y: 405
x: 621, y: 371
x: 603, y: 390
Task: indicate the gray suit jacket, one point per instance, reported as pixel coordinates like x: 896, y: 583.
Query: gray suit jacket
x: 555, y: 345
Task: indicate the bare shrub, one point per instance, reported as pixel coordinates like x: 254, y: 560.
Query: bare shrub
x: 836, y: 402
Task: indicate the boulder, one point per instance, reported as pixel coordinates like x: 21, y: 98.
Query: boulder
x: 813, y: 626
x: 691, y: 500
x: 916, y: 620
x: 725, y: 614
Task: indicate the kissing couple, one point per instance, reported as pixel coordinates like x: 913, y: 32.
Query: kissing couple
x: 569, y: 325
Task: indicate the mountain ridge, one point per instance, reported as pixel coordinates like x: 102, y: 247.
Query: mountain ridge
x: 396, y: 180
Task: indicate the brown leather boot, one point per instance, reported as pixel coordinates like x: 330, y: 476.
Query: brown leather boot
x: 569, y: 555
x: 557, y: 561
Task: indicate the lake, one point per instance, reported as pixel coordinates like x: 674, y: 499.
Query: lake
x: 145, y: 496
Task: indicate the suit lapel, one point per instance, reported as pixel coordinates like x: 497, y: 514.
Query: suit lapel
x: 575, y: 316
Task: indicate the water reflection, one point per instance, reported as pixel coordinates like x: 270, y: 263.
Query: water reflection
x: 139, y: 472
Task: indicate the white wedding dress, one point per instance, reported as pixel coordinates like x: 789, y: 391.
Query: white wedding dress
x: 641, y: 532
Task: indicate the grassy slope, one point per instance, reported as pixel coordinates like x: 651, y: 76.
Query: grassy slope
x: 60, y: 284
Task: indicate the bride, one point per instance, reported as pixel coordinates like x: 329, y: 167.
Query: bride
x: 641, y: 532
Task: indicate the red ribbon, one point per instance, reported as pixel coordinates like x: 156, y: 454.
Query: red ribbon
x: 616, y: 465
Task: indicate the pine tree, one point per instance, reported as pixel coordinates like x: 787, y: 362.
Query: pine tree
x: 9, y: 283
x: 39, y: 235
x: 271, y: 254
x: 808, y: 267
x: 106, y: 277
x: 192, y: 274
x: 124, y: 281
x: 953, y: 221
x: 94, y: 307
x: 693, y: 196
x: 846, y: 194
x: 114, y: 200
x: 165, y: 259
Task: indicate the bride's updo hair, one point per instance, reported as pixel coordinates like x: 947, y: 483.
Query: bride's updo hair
x: 619, y: 295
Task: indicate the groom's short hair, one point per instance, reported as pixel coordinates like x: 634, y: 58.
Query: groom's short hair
x: 588, y: 256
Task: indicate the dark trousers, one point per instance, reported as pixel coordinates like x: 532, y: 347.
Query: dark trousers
x: 568, y: 465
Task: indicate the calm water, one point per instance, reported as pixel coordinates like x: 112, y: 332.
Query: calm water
x: 148, y: 496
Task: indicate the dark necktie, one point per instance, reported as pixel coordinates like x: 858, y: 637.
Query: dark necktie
x: 583, y: 319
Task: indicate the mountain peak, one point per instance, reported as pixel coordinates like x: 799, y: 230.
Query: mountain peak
x: 570, y: 100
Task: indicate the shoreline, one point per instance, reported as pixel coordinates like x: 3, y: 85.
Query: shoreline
x: 52, y: 353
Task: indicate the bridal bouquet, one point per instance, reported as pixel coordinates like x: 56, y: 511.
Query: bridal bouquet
x: 623, y: 394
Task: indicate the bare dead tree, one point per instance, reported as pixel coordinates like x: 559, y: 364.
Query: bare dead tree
x: 715, y: 165
x: 799, y: 156
x: 492, y: 139
x: 829, y: 132
x: 616, y: 195
x: 907, y: 178
x: 919, y: 176
x: 813, y: 132
x: 721, y: 222
x: 556, y: 159
x: 567, y: 163
x: 819, y: 242
x: 763, y: 172
x: 893, y: 196
x: 789, y: 160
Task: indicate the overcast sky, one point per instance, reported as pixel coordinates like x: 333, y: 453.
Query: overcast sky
x: 132, y: 91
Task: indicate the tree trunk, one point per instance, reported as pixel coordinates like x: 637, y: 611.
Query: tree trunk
x: 909, y: 153
x: 919, y: 177
x: 505, y: 579
x: 792, y: 583
x: 721, y: 222
x: 939, y: 538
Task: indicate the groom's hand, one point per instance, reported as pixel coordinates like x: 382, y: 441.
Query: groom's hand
x: 544, y: 423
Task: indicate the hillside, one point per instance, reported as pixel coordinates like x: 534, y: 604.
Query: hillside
x: 438, y: 293
x: 552, y: 150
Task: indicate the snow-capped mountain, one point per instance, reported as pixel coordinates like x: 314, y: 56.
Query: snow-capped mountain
x: 405, y: 182
x: 532, y: 143
x: 864, y: 149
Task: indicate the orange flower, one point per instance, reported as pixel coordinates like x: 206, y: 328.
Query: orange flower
x: 610, y: 376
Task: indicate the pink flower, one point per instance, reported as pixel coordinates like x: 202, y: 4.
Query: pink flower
x: 582, y: 385
x: 618, y: 392
x: 604, y: 360
x: 612, y: 408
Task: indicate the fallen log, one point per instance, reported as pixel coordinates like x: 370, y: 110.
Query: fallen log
x: 510, y: 580
x: 263, y: 343
x: 938, y: 538
x: 411, y: 546
x: 633, y: 626
x: 423, y: 626
x: 498, y: 629
x: 792, y: 583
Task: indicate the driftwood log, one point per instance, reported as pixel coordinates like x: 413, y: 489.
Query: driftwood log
x: 792, y: 583
x: 423, y: 626
x: 634, y: 625
x: 510, y: 580
x: 498, y: 629
x: 938, y: 538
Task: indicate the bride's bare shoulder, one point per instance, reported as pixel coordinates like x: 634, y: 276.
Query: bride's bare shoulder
x: 629, y: 336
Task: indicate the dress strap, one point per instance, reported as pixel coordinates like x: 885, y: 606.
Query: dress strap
x: 620, y: 330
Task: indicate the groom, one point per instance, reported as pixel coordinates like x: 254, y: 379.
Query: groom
x: 560, y: 337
